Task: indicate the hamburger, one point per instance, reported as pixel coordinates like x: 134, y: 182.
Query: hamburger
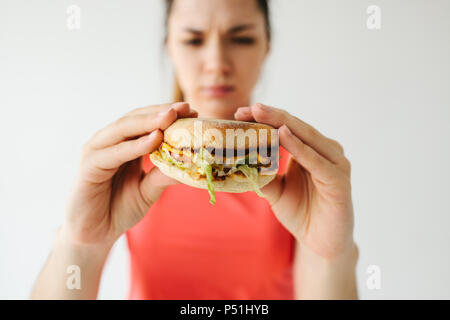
x: 219, y: 155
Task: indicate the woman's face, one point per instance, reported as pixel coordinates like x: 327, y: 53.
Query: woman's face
x: 217, y: 48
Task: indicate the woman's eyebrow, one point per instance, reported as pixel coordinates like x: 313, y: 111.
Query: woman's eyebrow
x: 241, y: 27
x: 194, y: 31
x: 232, y: 30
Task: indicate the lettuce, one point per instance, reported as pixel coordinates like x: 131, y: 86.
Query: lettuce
x: 252, y: 175
x: 209, y: 178
x: 168, y: 158
x: 204, y: 160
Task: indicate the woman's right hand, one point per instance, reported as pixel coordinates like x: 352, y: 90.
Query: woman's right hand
x: 111, y: 192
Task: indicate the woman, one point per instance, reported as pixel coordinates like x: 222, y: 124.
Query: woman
x: 296, y: 243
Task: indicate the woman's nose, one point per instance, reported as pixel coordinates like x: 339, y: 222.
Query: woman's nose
x: 216, y: 58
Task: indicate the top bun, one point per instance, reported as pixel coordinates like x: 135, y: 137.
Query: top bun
x: 213, y: 133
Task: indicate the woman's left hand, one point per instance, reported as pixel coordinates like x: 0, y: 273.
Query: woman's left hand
x: 312, y: 199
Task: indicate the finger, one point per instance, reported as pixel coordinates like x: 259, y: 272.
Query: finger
x: 305, y: 132
x: 153, y: 184
x: 137, y: 124
x: 319, y: 167
x: 244, y: 114
x: 151, y: 108
x: 113, y: 157
x: 273, y: 190
x: 183, y: 110
x: 132, y: 126
x: 288, y: 191
x: 180, y: 107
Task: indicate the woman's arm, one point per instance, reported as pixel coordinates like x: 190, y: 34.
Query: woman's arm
x: 313, y: 201
x: 319, y: 278
x: 111, y: 194
x: 58, y: 278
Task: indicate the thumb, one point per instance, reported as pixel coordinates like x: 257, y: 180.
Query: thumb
x: 154, y: 183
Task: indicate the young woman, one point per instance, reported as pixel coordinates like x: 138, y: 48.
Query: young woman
x: 296, y: 243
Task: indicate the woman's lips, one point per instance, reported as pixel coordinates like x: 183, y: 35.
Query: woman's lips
x: 217, y: 91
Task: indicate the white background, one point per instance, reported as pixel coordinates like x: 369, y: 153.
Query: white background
x: 383, y: 94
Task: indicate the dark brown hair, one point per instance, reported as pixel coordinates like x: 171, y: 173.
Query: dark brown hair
x: 263, y: 5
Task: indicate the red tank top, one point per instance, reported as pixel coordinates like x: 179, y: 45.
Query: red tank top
x: 186, y: 248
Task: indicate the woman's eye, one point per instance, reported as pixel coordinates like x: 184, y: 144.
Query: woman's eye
x: 243, y: 40
x: 193, y: 42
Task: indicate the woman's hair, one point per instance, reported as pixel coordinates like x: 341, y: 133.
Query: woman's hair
x: 263, y: 5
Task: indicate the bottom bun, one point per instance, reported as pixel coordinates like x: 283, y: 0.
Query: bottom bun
x: 233, y: 183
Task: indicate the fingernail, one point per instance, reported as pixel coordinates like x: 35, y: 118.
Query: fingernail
x: 152, y: 134
x: 287, y: 129
x: 263, y: 107
x: 178, y: 104
x: 242, y: 110
x: 164, y: 112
